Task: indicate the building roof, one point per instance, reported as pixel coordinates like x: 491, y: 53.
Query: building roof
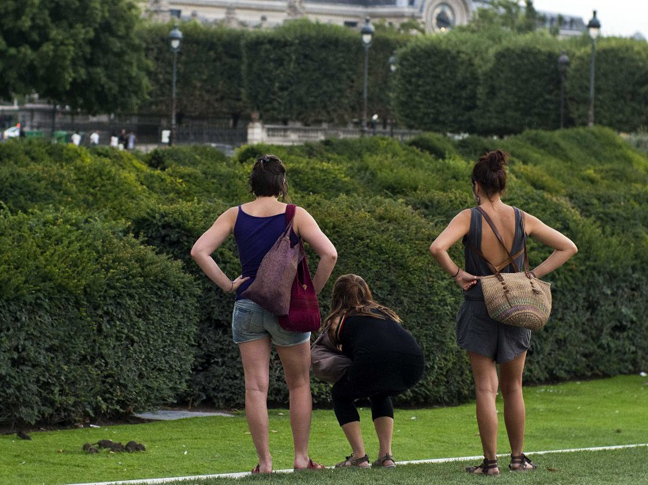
x: 357, y: 3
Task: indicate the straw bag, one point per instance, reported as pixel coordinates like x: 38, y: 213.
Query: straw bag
x: 519, y: 299
x: 327, y: 362
x: 272, y: 286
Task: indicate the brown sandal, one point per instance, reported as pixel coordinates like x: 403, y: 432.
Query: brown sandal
x: 311, y: 466
x: 521, y: 463
x: 351, y: 461
x: 380, y: 462
x: 487, y: 467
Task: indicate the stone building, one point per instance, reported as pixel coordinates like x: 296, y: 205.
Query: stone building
x: 432, y: 15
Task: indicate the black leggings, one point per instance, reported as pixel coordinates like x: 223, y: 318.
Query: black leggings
x: 376, y: 381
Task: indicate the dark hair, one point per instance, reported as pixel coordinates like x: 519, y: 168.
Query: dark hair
x: 268, y: 177
x: 490, y: 172
x: 352, y: 296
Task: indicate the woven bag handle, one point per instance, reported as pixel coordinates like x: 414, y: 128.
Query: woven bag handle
x: 501, y: 240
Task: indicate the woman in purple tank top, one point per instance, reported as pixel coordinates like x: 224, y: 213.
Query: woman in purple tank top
x: 256, y: 226
x: 490, y: 343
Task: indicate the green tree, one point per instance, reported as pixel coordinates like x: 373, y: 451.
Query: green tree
x: 82, y: 53
x: 506, y: 14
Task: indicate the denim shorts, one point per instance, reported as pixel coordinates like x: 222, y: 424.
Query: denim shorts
x: 251, y: 322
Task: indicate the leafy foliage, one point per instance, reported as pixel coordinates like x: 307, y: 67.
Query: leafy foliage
x: 82, y: 53
x: 94, y: 323
x: 435, y: 86
x: 99, y: 241
x: 209, y: 74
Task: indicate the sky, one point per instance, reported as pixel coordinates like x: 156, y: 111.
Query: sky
x: 618, y: 17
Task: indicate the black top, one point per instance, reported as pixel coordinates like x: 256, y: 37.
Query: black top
x: 369, y: 339
x: 475, y: 265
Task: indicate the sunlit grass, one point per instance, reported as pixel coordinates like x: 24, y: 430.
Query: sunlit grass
x: 604, y: 412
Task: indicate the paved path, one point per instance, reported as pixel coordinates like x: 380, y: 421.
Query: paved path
x: 170, y: 415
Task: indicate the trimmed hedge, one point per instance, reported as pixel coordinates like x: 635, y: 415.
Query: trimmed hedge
x: 492, y: 81
x: 621, y: 84
x: 209, y: 74
x: 380, y: 201
x: 436, y: 85
x: 521, y: 88
x: 93, y: 322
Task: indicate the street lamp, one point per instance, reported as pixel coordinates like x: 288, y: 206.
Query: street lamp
x: 563, y: 65
x: 367, y: 33
x: 594, y: 29
x: 175, y: 39
x: 392, y: 70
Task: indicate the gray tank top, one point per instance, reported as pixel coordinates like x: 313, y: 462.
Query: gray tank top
x: 474, y: 264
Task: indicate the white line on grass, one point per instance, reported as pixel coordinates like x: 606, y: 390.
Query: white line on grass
x: 153, y: 481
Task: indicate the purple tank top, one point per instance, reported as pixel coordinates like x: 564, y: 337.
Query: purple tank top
x: 254, y: 237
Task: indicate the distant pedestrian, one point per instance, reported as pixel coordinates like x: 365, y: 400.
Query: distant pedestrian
x: 114, y: 141
x: 94, y: 138
x: 122, y: 139
x: 131, y: 140
x: 76, y: 138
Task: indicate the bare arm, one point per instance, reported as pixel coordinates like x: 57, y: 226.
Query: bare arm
x: 458, y: 228
x: 306, y: 227
x: 563, y: 247
x: 208, y: 243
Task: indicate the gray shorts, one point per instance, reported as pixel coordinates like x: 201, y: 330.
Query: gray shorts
x: 251, y: 322
x: 477, y: 332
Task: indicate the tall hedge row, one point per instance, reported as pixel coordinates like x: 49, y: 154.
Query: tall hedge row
x: 490, y: 82
x: 209, y: 74
x: 100, y: 269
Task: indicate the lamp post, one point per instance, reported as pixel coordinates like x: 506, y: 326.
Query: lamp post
x: 563, y: 65
x: 175, y: 39
x: 367, y: 33
x: 594, y: 29
x: 392, y: 70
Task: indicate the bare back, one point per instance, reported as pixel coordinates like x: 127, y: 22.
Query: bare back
x: 509, y: 223
x: 505, y: 221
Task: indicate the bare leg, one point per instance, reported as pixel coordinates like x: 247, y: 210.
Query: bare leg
x: 486, y: 382
x: 384, y: 429
x: 514, y: 410
x: 256, y: 362
x: 296, y: 364
x: 354, y: 435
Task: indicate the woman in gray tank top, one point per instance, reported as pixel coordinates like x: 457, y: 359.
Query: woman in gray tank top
x: 490, y: 343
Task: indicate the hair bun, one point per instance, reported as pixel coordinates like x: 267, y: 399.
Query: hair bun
x: 496, y: 160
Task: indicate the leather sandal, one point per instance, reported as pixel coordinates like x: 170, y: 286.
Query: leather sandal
x: 351, y: 461
x: 487, y: 467
x: 381, y: 462
x: 521, y: 463
x: 311, y: 466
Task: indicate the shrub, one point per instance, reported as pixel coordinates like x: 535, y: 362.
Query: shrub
x: 94, y: 323
x: 435, y: 85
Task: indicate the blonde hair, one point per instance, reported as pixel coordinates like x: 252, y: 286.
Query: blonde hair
x: 352, y: 296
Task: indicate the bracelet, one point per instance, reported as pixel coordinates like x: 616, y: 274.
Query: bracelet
x: 457, y: 273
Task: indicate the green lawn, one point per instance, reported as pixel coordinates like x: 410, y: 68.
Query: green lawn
x: 597, y: 413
